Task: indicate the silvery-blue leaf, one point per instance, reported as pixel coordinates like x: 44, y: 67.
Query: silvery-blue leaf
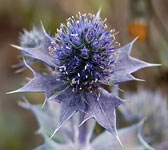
x: 48, y: 84
x: 102, y: 108
x: 70, y: 104
x: 128, y: 136
x: 125, y: 65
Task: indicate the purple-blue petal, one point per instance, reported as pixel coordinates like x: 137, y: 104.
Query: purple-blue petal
x: 48, y: 84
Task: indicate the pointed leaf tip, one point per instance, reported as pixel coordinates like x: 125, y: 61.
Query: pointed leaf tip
x: 16, y: 46
x: 54, y: 133
x: 98, y: 13
x: 45, y: 101
x: 118, y: 139
x: 45, y: 33
x: 61, y: 124
x: 154, y: 65
x: 137, y: 79
x: 135, y: 39
x: 12, y: 92
x: 42, y: 26
x: 9, y: 92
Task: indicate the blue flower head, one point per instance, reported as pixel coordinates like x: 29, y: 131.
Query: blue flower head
x: 83, y: 57
x: 32, y: 38
x: 85, y: 52
x: 29, y: 39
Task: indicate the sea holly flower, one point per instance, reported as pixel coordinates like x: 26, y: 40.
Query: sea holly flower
x: 152, y: 106
x: 83, y: 57
x: 70, y: 136
x: 29, y: 39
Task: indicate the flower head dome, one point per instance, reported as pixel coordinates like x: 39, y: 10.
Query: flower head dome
x: 82, y: 56
x: 85, y: 51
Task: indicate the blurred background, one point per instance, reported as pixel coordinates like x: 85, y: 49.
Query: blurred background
x: 147, y: 19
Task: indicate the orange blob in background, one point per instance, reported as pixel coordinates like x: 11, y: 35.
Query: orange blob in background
x: 138, y: 28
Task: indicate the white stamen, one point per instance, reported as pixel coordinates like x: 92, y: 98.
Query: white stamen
x: 90, y: 87
x: 98, y: 96
x: 84, y: 83
x: 74, y: 34
x: 52, y: 42
x: 49, y: 48
x: 102, y: 67
x: 51, y: 53
x: 86, y: 66
x: 68, y: 47
x: 64, y: 67
x: 105, y: 19
x: 68, y: 23
x: 92, y: 82
x: 96, y: 80
x: 73, y: 81
x: 113, y: 37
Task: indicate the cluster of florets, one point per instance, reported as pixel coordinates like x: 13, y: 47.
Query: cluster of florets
x: 85, y: 51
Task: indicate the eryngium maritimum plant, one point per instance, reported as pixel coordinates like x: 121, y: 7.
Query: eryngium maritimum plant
x: 83, y: 57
